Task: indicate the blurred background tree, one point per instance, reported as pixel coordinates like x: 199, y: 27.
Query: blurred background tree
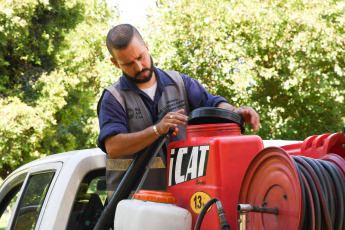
x: 52, y: 69
x: 284, y: 58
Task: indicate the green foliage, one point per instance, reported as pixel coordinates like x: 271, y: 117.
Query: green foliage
x: 53, y: 67
x: 284, y: 58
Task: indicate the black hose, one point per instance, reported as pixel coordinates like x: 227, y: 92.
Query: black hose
x: 221, y: 213
x: 320, y: 182
x: 338, y: 189
x: 327, y: 190
x: 307, y: 220
x: 315, y: 196
x: 308, y: 212
x: 327, y: 184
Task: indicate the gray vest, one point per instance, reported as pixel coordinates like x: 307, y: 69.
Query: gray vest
x: 173, y: 98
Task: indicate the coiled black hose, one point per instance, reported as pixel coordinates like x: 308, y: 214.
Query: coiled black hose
x: 323, y: 191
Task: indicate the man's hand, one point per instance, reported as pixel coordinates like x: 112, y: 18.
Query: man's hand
x: 171, y: 120
x: 128, y: 143
x: 248, y: 113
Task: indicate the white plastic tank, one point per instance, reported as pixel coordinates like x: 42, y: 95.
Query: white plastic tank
x: 151, y: 210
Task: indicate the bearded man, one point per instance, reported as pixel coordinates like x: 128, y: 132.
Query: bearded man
x: 128, y: 109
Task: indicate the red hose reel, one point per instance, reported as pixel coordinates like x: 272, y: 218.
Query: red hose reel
x: 307, y: 193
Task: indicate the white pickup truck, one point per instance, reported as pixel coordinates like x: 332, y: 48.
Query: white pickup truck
x: 62, y: 191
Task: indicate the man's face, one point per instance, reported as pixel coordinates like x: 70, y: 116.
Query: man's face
x: 135, y: 61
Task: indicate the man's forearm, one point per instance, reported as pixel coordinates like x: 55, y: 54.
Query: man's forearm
x: 128, y: 143
x: 225, y: 105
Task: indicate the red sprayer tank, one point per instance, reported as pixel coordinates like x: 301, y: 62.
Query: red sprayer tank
x: 211, y: 162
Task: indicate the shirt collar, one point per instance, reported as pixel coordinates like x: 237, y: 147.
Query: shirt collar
x: 162, y: 81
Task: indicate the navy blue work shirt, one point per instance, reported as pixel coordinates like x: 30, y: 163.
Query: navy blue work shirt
x: 113, y: 119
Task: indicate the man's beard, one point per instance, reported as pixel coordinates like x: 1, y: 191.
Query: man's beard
x: 135, y: 79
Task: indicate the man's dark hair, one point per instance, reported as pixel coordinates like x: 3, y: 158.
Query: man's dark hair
x: 120, y: 36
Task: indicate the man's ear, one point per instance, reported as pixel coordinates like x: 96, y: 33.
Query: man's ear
x: 113, y: 60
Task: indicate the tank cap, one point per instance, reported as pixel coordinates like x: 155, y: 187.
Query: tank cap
x: 149, y: 195
x: 214, y: 115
